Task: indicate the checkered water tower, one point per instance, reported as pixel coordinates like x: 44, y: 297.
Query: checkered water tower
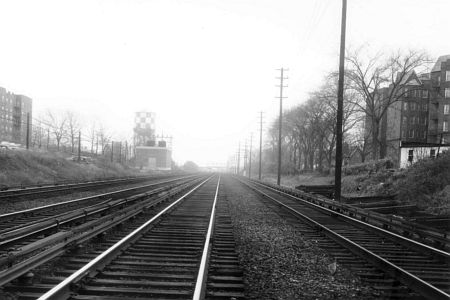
x: 152, y: 152
x: 144, y: 128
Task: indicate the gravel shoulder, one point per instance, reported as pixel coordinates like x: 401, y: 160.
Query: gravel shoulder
x: 278, y: 262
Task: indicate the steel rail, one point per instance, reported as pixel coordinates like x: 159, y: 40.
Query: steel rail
x: 63, y: 241
x: 79, y: 200
x: 54, y: 222
x: 64, y: 286
x: 36, y: 190
x: 415, y: 283
x: 406, y: 241
x: 202, y: 271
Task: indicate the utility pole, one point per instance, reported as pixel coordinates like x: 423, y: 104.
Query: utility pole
x: 28, y: 131
x: 260, y: 144
x: 250, y: 157
x: 245, y: 157
x: 126, y: 151
x: 239, y: 158
x: 79, y: 146
x: 340, y: 104
x: 112, y: 151
x: 120, y: 152
x: 48, y: 137
x: 279, y: 130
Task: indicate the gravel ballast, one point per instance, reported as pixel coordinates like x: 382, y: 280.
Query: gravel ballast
x: 278, y: 262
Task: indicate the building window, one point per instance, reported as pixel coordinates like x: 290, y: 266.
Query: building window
x: 445, y: 126
x: 405, y: 92
x: 433, y: 153
x: 405, y: 120
x: 410, y: 155
x: 424, y: 121
x: 405, y: 106
x: 412, y: 120
x: 424, y: 134
x: 446, y: 109
x: 425, y: 107
x: 411, y: 133
x: 404, y: 133
x: 447, y: 75
x: 424, y: 94
x: 439, y: 80
x: 447, y: 92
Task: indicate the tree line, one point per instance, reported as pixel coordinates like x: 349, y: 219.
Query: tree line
x: 62, y: 131
x: 373, y: 83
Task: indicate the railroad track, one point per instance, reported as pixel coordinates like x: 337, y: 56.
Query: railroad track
x: 16, y: 229
x: 400, y: 268
x: 58, y: 188
x: 23, y: 249
x: 184, y: 251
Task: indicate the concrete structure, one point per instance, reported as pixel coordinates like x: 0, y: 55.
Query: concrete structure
x: 15, y: 117
x: 422, y: 116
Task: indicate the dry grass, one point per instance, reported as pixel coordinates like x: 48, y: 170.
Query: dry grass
x: 33, y: 167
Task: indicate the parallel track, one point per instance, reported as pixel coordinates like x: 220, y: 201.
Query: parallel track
x: 171, y: 256
x: 398, y: 267
x: 35, y: 245
x: 18, y: 226
x: 61, y: 188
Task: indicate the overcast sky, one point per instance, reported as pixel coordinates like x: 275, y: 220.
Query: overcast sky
x: 206, y: 68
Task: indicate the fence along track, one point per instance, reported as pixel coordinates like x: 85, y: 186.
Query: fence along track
x: 424, y: 273
x: 161, y: 259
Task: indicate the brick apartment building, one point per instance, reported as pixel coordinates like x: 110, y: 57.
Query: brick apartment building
x: 418, y: 125
x: 14, y: 110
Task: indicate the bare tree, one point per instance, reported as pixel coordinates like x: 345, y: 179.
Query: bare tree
x: 73, y: 127
x: 103, y: 138
x: 57, y: 126
x: 380, y: 81
x: 92, y: 135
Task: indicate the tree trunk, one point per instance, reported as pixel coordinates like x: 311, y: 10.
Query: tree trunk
x: 375, y: 144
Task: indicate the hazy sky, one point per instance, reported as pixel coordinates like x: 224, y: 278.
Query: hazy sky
x: 205, y: 67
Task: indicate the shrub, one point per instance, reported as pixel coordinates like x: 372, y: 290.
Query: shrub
x: 425, y: 178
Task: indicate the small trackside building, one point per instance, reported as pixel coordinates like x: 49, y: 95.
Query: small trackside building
x: 153, y: 158
x: 411, y: 152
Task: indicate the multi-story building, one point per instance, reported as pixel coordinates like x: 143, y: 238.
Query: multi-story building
x: 418, y: 125
x: 439, y: 131
x: 15, y: 117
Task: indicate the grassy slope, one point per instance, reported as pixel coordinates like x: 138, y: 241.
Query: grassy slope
x: 426, y: 183
x: 31, y: 167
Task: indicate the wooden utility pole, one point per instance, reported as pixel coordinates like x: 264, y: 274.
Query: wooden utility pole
x: 340, y: 105
x: 48, y: 137
x: 280, y: 119
x: 239, y: 158
x: 260, y: 144
x: 245, y: 158
x: 120, y: 152
x: 250, y: 157
x: 79, y: 146
x: 112, y: 151
x: 28, y: 131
